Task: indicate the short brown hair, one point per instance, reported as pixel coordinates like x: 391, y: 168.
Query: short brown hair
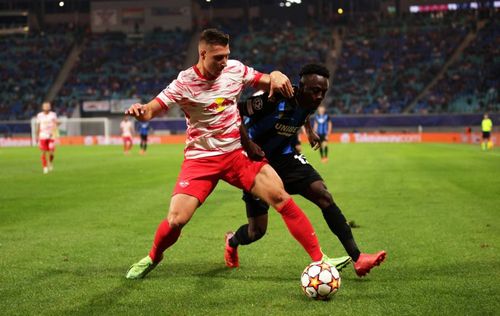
x: 214, y: 37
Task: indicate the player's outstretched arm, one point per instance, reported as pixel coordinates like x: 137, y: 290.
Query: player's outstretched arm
x: 145, y: 112
x: 276, y: 83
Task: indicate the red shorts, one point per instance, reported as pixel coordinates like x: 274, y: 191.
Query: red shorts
x: 47, y: 144
x: 127, y: 139
x: 198, y: 177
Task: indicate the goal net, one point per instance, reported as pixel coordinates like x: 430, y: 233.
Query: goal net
x: 95, y: 126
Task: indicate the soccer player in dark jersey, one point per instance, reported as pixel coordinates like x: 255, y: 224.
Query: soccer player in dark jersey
x: 323, y: 127
x: 271, y: 128
x: 144, y: 129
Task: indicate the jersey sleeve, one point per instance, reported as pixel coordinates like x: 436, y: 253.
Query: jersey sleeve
x: 171, y: 95
x: 253, y: 105
x: 251, y: 76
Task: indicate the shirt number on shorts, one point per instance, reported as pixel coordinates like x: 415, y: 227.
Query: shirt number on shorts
x: 302, y: 159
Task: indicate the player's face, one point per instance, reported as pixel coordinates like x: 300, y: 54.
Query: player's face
x: 46, y: 107
x: 215, y: 58
x: 321, y: 110
x: 312, y: 91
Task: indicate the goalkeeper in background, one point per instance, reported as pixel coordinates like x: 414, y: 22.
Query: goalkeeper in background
x: 486, y: 127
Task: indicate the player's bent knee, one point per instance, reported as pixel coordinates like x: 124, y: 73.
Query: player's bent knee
x: 325, y: 199
x: 176, y: 221
x: 278, y: 198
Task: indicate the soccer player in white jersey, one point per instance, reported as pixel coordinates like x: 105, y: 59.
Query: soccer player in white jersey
x: 45, y: 132
x: 127, y: 128
x: 208, y: 94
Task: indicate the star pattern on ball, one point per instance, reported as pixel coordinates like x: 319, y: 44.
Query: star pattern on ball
x: 325, y: 266
x: 314, y: 282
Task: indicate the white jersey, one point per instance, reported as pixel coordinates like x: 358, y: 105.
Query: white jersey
x: 126, y: 127
x: 210, y: 106
x: 47, y: 125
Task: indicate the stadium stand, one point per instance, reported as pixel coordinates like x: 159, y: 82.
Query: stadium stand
x: 471, y: 84
x: 113, y: 66
x: 384, y: 64
x: 30, y: 63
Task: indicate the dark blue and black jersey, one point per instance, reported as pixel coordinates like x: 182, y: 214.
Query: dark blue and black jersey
x: 144, y: 128
x: 322, y: 123
x: 273, y: 125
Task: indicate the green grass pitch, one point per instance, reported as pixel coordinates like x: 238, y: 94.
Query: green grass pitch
x: 67, y: 238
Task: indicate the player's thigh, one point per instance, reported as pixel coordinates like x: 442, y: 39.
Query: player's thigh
x: 269, y: 187
x: 182, y: 208
x: 43, y: 144
x: 52, y: 146
x: 318, y: 193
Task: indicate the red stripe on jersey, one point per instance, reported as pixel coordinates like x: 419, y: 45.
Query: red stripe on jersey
x: 192, y: 147
x: 198, y: 72
x: 245, y: 72
x: 163, y: 105
x: 256, y: 79
x: 235, y: 134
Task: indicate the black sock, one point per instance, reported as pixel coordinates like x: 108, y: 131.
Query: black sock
x: 339, y: 226
x: 321, y: 152
x: 326, y: 152
x: 240, y: 237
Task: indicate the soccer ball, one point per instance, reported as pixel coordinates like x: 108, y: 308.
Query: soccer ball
x: 320, y: 280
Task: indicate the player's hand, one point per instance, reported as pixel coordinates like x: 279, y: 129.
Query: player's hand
x: 314, y: 140
x: 280, y: 84
x: 137, y: 110
x: 254, y: 151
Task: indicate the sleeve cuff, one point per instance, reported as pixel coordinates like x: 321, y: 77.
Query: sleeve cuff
x: 163, y: 104
x: 256, y: 79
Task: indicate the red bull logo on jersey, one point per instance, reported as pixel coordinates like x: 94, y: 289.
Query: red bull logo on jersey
x: 219, y: 105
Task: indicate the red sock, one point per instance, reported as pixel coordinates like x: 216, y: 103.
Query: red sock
x: 44, y: 160
x: 300, y: 227
x: 51, y: 157
x: 164, y: 238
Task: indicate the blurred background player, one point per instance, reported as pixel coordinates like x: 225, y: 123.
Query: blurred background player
x: 486, y: 127
x: 144, y: 129
x: 46, y: 127
x: 272, y: 128
x: 127, y: 128
x: 323, y: 127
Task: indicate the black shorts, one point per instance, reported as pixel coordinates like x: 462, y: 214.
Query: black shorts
x: 144, y: 137
x: 486, y: 135
x: 297, y: 175
x: 322, y: 138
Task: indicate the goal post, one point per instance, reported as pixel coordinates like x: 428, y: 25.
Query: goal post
x: 95, y: 126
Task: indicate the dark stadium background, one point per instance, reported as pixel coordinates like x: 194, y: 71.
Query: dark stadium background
x: 394, y: 69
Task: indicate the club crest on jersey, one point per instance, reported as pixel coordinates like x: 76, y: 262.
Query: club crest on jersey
x: 219, y: 105
x: 257, y: 104
x: 183, y: 184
